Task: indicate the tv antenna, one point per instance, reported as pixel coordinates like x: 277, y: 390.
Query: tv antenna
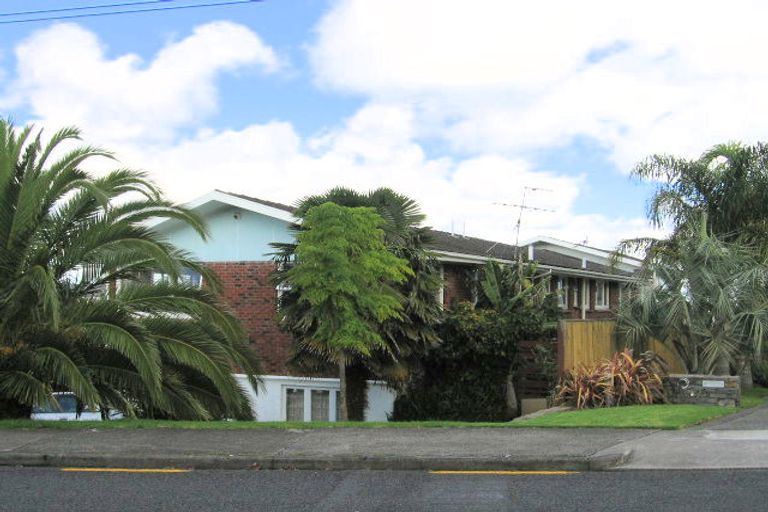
x: 521, y: 206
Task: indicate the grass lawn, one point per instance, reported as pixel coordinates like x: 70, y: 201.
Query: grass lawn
x: 635, y: 416
x: 632, y: 416
x: 646, y: 416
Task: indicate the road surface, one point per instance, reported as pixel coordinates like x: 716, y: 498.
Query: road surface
x: 40, y: 489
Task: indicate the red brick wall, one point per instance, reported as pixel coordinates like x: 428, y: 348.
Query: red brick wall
x: 248, y: 292
x: 456, y: 288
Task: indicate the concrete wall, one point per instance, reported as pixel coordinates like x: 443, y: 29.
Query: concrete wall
x: 268, y: 403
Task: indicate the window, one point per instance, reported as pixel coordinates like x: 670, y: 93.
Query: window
x: 441, y: 292
x: 186, y: 276
x: 294, y: 404
x: 575, y: 295
x: 602, y: 298
x: 281, y: 289
x: 562, y: 292
x: 311, y: 404
x: 321, y: 401
x: 338, y: 405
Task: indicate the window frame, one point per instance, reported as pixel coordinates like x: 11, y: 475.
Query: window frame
x: 561, y: 287
x: 606, y: 289
x: 333, y: 400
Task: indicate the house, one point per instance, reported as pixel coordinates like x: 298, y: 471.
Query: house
x: 588, y: 285
x: 238, y: 250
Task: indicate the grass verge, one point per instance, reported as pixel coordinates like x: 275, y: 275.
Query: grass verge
x: 634, y: 416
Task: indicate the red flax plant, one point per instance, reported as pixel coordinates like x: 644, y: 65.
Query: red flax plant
x: 621, y: 380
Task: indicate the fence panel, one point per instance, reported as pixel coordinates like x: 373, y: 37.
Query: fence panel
x: 582, y: 342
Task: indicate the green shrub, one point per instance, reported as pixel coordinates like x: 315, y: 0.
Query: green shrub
x: 464, y: 377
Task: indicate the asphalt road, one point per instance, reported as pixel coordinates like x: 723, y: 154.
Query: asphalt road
x: 40, y: 489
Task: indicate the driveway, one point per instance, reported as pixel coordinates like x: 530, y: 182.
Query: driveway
x: 736, y: 442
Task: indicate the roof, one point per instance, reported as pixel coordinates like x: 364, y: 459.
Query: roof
x: 452, y: 247
x: 461, y: 244
x: 273, y: 204
x: 457, y: 245
x: 579, y: 247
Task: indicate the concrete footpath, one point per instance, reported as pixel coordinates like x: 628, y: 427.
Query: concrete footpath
x: 734, y: 442
x: 336, y: 449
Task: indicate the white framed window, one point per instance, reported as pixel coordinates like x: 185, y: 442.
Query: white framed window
x: 280, y: 290
x: 294, y: 404
x: 575, y: 296
x: 602, y: 294
x: 320, y: 406
x: 310, y: 404
x: 561, y: 288
x: 441, y: 291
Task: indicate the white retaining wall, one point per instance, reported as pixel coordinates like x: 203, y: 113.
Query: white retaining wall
x: 268, y: 402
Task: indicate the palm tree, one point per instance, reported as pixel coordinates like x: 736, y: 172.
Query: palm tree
x: 728, y: 184
x: 706, y: 300
x: 406, y: 338
x: 77, y: 310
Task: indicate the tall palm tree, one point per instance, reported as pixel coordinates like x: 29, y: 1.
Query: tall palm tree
x: 77, y: 310
x: 406, y: 338
x: 706, y: 300
x: 728, y: 183
x: 726, y: 188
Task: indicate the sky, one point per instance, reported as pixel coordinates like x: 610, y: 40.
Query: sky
x: 461, y: 105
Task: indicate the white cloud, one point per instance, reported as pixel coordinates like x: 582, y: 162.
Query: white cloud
x: 506, y: 76
x: 137, y: 110
x: 64, y: 75
x: 272, y: 161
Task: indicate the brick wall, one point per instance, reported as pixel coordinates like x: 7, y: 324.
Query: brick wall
x: 456, y: 288
x: 248, y: 292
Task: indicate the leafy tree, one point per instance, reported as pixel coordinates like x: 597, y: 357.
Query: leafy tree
x: 78, y: 310
x: 407, y: 337
x: 343, y: 279
x: 706, y: 300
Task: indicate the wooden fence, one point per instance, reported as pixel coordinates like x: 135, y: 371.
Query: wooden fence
x: 582, y: 342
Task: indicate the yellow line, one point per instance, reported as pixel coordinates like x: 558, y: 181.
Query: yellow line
x: 124, y: 470
x: 504, y: 472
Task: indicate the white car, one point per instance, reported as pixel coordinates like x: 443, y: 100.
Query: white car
x: 67, y: 410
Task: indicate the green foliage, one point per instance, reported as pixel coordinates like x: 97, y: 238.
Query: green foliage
x: 706, y: 297
x: 728, y: 185
x: 544, y: 358
x: 705, y: 300
x: 404, y: 337
x: 343, y: 277
x: 465, y: 376
x: 66, y: 239
x: 412, y: 332
x: 621, y: 380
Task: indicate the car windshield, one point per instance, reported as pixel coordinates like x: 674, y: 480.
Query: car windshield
x: 67, y: 403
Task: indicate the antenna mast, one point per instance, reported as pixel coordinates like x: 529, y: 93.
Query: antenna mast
x: 522, y: 206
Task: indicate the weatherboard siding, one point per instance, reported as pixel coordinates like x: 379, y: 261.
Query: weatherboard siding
x: 235, y: 235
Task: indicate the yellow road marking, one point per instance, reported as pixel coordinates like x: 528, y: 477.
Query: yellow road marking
x: 504, y: 472
x: 124, y: 470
